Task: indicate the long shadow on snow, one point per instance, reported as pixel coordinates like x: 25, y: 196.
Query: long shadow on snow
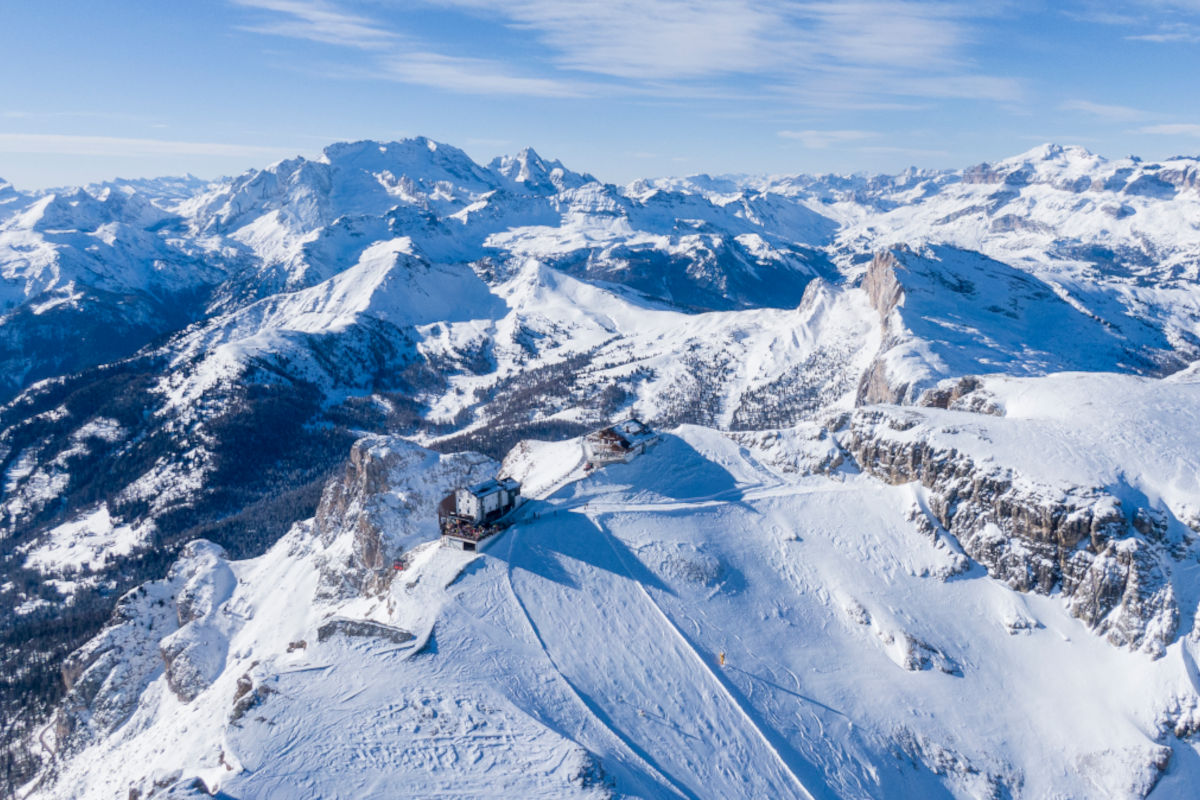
x: 729, y: 579
x: 977, y: 313
x: 785, y: 690
x: 674, y: 469
x: 544, y: 546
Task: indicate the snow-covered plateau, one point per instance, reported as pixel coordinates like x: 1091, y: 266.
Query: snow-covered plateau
x: 922, y: 519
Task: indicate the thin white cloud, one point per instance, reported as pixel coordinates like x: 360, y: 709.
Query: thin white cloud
x: 645, y: 39
x: 886, y: 33
x: 867, y: 49
x: 1160, y: 21
x: 1105, y: 111
x: 819, y: 140
x: 870, y: 50
x: 982, y: 87
x: 472, y: 76
x: 1186, y: 34
x: 60, y: 144
x: 680, y: 39
x: 1100, y: 16
x: 319, y: 21
x: 1172, y: 129
x: 1192, y: 6
x: 56, y: 115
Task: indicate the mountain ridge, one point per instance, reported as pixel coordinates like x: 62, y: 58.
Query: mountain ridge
x: 870, y: 332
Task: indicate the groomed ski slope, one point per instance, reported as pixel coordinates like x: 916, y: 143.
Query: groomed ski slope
x: 578, y: 655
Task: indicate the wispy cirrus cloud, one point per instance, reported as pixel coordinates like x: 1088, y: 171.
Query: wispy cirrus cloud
x: 821, y: 139
x: 62, y: 144
x: 1172, y: 129
x: 1158, y: 21
x: 1106, y: 111
x: 318, y: 21
x: 1180, y: 32
x: 869, y: 46
x: 398, y: 56
x: 472, y: 76
x: 869, y: 49
x: 647, y: 40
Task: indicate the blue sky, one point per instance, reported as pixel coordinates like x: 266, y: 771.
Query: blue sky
x: 135, y: 88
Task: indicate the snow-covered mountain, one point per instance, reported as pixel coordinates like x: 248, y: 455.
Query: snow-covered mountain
x: 931, y: 435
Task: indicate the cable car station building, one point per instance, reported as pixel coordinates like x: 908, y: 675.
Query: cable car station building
x: 471, y: 514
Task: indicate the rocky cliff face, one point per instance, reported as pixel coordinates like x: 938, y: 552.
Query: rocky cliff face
x: 934, y: 302
x: 172, y: 624
x: 181, y: 628
x: 885, y: 293
x: 1111, y: 563
x: 383, y: 504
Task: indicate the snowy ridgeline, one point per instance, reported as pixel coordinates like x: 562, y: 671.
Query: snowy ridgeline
x: 401, y: 287
x: 728, y: 615
x: 948, y: 467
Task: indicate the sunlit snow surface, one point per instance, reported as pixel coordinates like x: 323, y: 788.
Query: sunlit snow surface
x: 579, y: 654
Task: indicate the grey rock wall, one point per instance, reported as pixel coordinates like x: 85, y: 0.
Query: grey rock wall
x: 1078, y: 540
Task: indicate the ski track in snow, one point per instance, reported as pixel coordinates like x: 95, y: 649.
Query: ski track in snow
x: 590, y: 706
x: 732, y: 728
x: 772, y: 742
x: 588, y: 663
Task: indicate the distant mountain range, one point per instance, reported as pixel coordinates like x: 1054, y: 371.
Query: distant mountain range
x: 963, y: 382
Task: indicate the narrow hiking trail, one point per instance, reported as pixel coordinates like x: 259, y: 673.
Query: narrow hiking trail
x: 590, y: 605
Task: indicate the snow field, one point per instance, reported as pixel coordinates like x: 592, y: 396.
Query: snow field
x: 580, y: 654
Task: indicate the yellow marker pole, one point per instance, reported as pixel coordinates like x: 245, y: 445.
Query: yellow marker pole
x: 721, y: 658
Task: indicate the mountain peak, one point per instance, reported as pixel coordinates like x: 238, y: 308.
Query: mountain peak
x: 530, y: 170
x: 372, y: 149
x: 1049, y: 151
x: 1054, y: 157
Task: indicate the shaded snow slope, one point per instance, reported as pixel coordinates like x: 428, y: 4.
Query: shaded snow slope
x: 948, y: 312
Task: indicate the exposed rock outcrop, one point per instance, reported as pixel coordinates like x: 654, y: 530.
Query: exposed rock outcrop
x: 358, y: 628
x: 961, y: 394
x: 1034, y: 537
x: 881, y: 285
x: 385, y: 502
x: 172, y: 621
x: 886, y: 294
x: 195, y: 654
x: 935, y: 302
